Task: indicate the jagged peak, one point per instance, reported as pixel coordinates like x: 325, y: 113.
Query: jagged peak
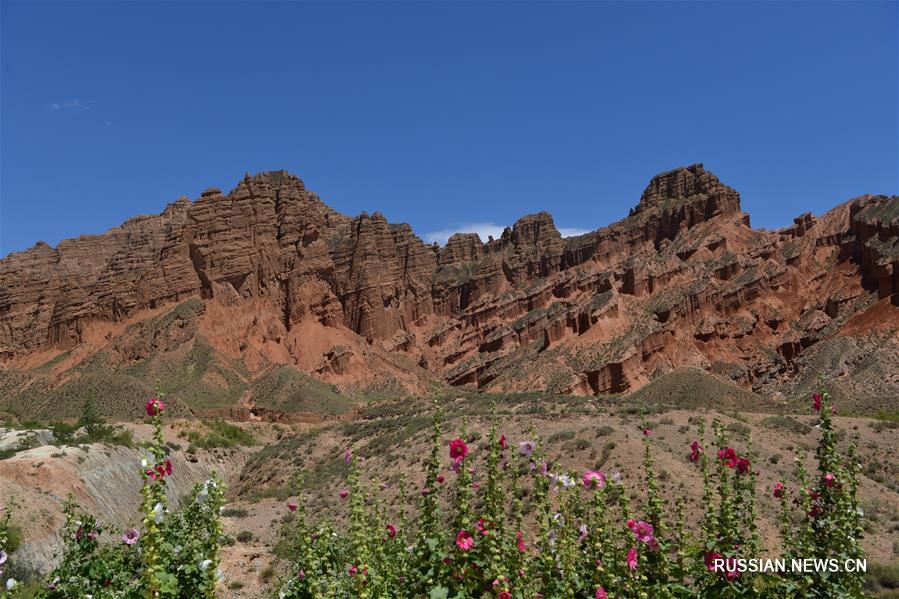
x: 671, y: 189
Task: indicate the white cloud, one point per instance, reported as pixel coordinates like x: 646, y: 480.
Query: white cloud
x: 573, y: 231
x: 73, y: 105
x: 484, y: 230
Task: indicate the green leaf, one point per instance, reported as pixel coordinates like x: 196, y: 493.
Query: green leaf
x: 438, y: 592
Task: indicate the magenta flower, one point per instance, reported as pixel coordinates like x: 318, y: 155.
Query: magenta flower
x: 343, y: 493
x: 502, y: 441
x: 830, y: 480
x: 458, y: 450
x: 291, y: 506
x: 519, y: 537
x: 464, y: 540
x: 594, y: 479
x: 391, y: 530
x: 600, y: 593
x: 695, y: 451
x: 632, y: 558
x: 642, y: 530
x: 816, y: 402
x: 779, y: 490
x: 346, y: 457
x: 154, y: 407
x: 647, y: 432
x: 130, y: 536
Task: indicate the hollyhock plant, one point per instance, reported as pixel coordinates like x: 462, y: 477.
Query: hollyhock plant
x: 816, y: 402
x: 779, y: 490
x: 170, y: 554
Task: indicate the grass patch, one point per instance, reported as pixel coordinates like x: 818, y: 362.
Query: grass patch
x: 785, y: 423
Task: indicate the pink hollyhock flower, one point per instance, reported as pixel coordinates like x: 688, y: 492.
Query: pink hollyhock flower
x: 391, y: 530
x: 424, y: 492
x: 600, y: 593
x: 301, y: 574
x: 458, y: 449
x: 654, y: 544
x: 464, y: 540
x: 168, y: 467
x: 642, y: 530
x: 440, y: 478
x: 526, y: 448
x: 292, y: 506
x: 632, y: 558
x: 353, y: 570
x: 742, y: 465
x: 131, y: 536
x: 519, y: 537
x: 154, y: 407
x: 695, y: 451
x: 504, y: 595
x: 343, y: 493
x: 482, y: 527
x: 502, y: 441
x: 346, y: 457
x: 729, y: 457
x: 583, y: 530
x: 830, y: 480
x: 816, y: 401
x: 594, y: 479
x: 710, y: 558
x: 779, y: 490
x: 647, y: 431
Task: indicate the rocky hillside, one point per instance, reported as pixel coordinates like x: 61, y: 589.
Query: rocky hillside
x: 265, y: 302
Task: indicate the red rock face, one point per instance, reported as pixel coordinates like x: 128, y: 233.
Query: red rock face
x: 683, y: 281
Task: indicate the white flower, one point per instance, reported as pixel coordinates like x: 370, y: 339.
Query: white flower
x: 11, y: 584
x: 158, y: 513
x: 205, y: 564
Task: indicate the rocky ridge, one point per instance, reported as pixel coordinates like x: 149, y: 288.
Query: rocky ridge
x: 280, y: 279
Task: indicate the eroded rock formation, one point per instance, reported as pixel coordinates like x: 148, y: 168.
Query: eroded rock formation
x: 682, y: 281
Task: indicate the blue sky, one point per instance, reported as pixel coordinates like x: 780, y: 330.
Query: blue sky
x: 444, y: 115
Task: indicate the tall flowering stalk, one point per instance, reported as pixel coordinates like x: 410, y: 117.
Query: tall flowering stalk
x: 157, y: 579
x: 171, y: 555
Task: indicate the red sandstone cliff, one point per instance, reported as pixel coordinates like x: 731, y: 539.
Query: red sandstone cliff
x: 285, y: 280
